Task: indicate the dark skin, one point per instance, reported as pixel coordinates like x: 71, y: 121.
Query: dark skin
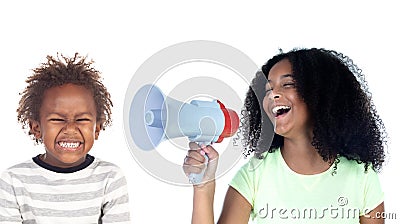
x: 68, y: 125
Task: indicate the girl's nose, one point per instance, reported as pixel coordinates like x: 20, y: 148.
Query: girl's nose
x: 274, y: 95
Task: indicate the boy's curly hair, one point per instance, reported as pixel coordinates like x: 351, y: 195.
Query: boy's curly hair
x: 336, y: 93
x: 58, y: 71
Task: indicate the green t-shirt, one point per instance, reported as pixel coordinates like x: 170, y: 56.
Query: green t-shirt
x: 277, y: 194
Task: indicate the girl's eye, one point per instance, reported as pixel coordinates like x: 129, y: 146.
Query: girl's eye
x: 288, y: 85
x: 268, y: 88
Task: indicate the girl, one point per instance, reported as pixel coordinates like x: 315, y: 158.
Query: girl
x: 328, y: 144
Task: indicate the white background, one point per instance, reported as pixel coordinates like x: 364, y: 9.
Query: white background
x: 121, y: 35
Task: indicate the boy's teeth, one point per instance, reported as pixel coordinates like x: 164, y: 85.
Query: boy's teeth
x: 69, y: 144
x: 277, y: 108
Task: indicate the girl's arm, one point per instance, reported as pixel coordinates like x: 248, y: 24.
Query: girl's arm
x: 203, y: 203
x: 236, y: 208
x: 375, y: 216
x: 203, y: 194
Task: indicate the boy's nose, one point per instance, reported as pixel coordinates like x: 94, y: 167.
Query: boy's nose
x: 70, y: 127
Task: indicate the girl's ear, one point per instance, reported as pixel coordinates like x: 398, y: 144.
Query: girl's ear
x: 35, y: 129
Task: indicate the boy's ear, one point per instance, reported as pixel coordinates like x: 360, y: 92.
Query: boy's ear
x: 35, y: 129
x: 99, y: 127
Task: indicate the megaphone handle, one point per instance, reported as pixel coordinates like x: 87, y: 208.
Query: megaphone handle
x: 196, y: 178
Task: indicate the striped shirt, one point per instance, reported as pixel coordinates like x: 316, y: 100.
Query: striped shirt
x: 34, y: 192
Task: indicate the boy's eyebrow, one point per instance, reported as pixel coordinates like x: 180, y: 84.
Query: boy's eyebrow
x: 282, y: 77
x: 63, y: 115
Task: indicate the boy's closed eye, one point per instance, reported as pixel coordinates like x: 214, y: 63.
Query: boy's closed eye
x: 60, y: 120
x: 83, y: 120
x: 57, y: 120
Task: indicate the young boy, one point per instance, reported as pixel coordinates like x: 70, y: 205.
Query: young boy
x: 64, y: 106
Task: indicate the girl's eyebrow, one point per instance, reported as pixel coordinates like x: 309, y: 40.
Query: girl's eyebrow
x: 282, y: 77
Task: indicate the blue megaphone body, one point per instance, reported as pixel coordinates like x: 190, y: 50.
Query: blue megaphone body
x: 153, y: 118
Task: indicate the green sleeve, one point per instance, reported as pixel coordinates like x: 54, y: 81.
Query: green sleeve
x: 243, y: 182
x: 373, y: 194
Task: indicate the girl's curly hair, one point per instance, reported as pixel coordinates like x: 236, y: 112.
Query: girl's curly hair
x: 56, y: 72
x: 336, y: 93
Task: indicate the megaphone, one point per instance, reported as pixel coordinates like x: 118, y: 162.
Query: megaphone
x: 154, y: 118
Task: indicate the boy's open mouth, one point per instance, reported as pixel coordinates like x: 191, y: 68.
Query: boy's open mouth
x: 280, y: 110
x: 70, y: 145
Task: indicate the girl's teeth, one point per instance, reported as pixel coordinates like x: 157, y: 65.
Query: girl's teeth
x: 277, y: 108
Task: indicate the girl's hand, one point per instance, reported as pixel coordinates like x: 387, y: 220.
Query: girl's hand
x: 195, y: 162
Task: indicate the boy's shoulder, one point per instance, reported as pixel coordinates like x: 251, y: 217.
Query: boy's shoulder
x: 98, y: 162
x: 102, y: 166
x: 19, y: 168
x: 27, y: 164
